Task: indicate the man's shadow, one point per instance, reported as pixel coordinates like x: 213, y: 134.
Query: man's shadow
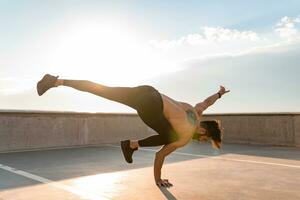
x: 167, y: 194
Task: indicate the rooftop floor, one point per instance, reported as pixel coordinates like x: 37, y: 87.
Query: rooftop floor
x: 196, y: 171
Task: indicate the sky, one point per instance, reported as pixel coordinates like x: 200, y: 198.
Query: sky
x: 185, y: 49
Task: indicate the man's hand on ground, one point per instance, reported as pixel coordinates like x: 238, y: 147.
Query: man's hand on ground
x: 163, y: 183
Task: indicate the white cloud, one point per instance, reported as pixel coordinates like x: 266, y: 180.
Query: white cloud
x: 208, y: 35
x: 287, y: 28
x: 212, y: 41
x: 220, y: 34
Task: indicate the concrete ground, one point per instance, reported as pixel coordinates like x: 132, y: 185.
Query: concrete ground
x: 197, y: 172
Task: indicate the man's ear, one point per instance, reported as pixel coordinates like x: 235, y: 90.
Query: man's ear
x: 202, y: 129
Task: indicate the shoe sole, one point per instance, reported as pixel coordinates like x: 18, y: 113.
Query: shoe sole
x: 124, y: 148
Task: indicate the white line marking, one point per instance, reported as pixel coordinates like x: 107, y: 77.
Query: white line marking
x: 218, y: 158
x: 78, y: 191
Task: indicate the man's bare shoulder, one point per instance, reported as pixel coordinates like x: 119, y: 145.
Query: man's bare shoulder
x: 165, y: 97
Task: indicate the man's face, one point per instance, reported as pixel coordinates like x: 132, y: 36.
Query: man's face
x: 203, y: 136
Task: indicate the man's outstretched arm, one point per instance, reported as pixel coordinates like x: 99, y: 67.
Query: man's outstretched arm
x: 212, y: 99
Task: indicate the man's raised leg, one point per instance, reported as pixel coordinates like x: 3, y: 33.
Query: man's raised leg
x: 124, y: 95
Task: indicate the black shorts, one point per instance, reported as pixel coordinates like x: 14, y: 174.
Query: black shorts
x: 150, y: 109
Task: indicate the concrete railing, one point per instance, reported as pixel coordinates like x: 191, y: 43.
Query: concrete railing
x: 35, y: 130
x: 260, y: 128
x: 21, y: 130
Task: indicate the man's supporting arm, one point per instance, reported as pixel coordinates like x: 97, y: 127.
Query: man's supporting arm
x: 160, y: 157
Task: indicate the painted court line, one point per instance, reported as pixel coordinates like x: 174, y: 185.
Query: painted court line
x: 77, y: 191
x: 219, y: 158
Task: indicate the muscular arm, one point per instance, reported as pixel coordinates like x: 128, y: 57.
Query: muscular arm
x: 160, y: 157
x: 211, y: 99
x: 207, y: 102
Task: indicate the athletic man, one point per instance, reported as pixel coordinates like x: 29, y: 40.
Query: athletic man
x: 175, y: 122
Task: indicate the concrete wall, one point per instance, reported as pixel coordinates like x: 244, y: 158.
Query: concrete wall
x: 297, y: 130
x: 31, y: 130
x: 262, y: 128
x: 21, y: 130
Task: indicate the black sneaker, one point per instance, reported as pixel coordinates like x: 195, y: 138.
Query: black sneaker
x: 127, y: 150
x: 47, y: 82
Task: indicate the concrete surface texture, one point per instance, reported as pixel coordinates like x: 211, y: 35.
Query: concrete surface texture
x: 198, y: 172
x: 20, y: 130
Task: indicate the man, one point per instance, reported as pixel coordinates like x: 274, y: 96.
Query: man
x: 175, y: 122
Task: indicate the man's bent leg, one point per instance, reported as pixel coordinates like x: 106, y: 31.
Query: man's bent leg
x: 154, y: 140
x: 128, y: 147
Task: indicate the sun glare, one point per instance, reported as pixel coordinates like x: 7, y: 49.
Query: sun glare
x: 108, y: 52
